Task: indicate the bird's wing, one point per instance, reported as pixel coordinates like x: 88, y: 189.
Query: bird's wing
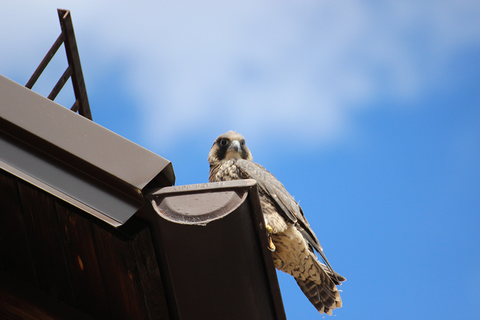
x: 287, y: 205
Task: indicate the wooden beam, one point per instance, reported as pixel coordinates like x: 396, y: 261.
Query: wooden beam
x: 22, y: 301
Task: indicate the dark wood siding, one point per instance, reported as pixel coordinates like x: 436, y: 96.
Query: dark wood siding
x: 75, y: 258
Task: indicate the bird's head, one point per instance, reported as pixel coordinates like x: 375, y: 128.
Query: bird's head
x: 229, y: 145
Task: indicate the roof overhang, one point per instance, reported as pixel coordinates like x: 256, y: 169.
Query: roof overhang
x: 74, y: 158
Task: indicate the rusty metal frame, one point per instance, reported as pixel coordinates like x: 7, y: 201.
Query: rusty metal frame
x: 73, y: 71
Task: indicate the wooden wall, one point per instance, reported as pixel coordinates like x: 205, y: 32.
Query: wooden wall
x: 73, y: 259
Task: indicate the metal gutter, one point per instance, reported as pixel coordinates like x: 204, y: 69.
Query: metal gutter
x: 212, y: 247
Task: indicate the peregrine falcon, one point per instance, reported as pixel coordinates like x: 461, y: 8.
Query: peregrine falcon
x: 291, y: 239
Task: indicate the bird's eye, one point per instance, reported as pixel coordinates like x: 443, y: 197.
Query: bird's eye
x: 242, y: 143
x: 223, y: 142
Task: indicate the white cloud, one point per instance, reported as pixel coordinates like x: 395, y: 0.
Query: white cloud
x: 306, y: 66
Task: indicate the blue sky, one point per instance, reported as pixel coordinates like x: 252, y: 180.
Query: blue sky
x: 367, y: 111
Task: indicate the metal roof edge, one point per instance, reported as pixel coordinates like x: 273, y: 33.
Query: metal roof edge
x: 79, y: 136
x: 74, y: 158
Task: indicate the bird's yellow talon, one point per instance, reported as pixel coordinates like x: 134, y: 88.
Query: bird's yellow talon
x: 278, y: 264
x: 269, y: 229
x: 271, y: 246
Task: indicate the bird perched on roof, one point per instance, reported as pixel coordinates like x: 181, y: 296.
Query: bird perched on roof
x: 291, y: 239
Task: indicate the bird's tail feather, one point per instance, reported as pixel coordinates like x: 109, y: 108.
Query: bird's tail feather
x: 323, y: 295
x: 323, y: 299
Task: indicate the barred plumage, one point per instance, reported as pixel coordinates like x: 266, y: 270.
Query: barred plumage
x: 293, y: 239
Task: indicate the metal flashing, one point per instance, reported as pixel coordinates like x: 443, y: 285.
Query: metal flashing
x: 74, y: 158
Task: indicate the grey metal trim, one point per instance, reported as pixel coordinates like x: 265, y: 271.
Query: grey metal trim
x: 74, y: 158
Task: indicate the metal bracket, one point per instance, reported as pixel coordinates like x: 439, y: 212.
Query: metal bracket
x: 74, y: 69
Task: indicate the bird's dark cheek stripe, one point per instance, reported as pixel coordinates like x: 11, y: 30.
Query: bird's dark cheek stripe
x: 221, y: 152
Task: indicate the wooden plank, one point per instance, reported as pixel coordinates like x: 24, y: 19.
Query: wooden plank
x: 15, y: 255
x: 43, y: 231
x: 149, y: 274
x: 22, y: 301
x: 120, y: 276
x: 131, y: 275
x: 81, y: 256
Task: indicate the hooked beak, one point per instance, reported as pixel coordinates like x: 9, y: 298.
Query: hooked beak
x: 235, y: 146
